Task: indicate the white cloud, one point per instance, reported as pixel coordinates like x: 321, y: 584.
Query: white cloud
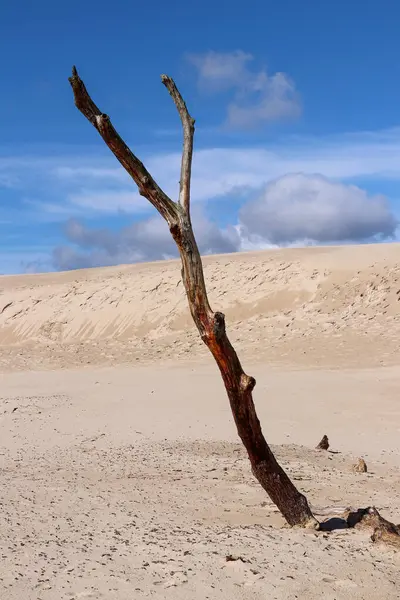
x: 293, y: 210
x: 300, y: 208
x: 219, y: 172
x: 90, y: 172
x: 112, y: 201
x: 83, y: 186
x: 218, y: 71
x: 258, y: 96
x: 88, y: 203
x: 49, y: 212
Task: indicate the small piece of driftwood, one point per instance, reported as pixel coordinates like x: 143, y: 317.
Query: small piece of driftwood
x: 360, y: 466
x: 324, y: 444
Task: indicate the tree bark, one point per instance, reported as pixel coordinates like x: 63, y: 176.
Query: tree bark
x: 211, y: 325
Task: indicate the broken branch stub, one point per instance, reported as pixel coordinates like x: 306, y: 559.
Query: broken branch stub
x: 211, y: 326
x: 324, y: 443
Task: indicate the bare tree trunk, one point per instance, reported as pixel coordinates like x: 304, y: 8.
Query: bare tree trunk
x: 239, y: 386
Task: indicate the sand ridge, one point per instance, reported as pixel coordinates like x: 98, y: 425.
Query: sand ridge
x: 310, y: 305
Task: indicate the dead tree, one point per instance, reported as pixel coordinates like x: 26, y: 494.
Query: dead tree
x: 211, y: 325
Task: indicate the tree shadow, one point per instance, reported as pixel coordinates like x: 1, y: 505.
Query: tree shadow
x: 333, y: 524
x: 366, y: 518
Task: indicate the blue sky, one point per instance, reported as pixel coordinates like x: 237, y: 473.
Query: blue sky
x: 297, y: 108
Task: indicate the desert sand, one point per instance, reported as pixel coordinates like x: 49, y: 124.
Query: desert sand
x: 122, y: 476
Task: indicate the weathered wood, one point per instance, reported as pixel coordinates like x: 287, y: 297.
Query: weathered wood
x: 383, y: 531
x: 136, y: 169
x: 324, y: 443
x: 211, y: 325
x: 360, y: 466
x: 187, y: 151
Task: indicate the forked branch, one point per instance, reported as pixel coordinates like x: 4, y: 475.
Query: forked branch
x: 239, y: 386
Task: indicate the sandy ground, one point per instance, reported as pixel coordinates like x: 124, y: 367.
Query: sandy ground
x: 127, y: 481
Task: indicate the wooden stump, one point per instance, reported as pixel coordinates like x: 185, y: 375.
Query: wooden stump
x: 324, y: 444
x: 360, y: 466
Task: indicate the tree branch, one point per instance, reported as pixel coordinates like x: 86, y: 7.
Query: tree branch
x: 188, y: 134
x: 136, y: 169
x: 211, y: 325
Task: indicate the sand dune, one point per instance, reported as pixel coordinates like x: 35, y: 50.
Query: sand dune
x: 126, y: 479
x: 315, y: 306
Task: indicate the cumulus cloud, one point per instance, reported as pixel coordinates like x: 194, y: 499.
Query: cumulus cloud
x: 145, y: 240
x: 313, y: 209
x: 258, y: 96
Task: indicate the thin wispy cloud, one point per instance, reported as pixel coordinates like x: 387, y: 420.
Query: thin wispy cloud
x: 86, y: 185
x: 111, y: 201
x: 50, y: 211
x: 8, y: 181
x: 295, y: 191
x: 258, y: 97
x: 90, y: 172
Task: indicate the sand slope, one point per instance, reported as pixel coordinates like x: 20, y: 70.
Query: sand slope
x: 314, y: 306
